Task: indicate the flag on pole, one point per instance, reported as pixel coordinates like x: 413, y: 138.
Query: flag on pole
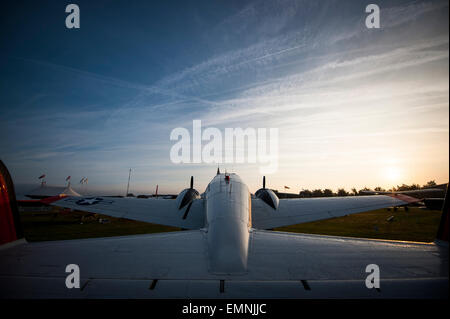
x: 82, y: 180
x: 42, y: 176
x: 68, y: 177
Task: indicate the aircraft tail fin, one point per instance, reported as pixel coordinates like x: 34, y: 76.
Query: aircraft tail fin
x: 10, y: 227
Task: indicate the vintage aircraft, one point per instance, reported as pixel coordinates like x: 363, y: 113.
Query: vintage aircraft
x: 226, y: 251
x: 432, y: 197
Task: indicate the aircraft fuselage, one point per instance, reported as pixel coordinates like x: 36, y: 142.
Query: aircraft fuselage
x: 228, y: 223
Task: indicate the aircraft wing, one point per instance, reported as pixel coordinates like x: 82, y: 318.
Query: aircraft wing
x: 157, y: 211
x: 415, y: 191
x: 175, y: 265
x: 303, y: 210
x: 317, y: 266
x: 114, y: 266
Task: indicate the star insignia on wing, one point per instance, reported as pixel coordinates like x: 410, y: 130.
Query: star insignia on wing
x: 89, y: 201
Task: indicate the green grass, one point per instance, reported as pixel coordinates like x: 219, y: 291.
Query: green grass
x: 41, y: 226
x: 416, y: 224
x: 413, y: 225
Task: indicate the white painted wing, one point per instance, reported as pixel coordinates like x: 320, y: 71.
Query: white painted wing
x: 157, y: 211
x: 280, y: 265
x: 303, y: 210
x: 107, y: 265
x: 282, y: 255
x: 335, y: 267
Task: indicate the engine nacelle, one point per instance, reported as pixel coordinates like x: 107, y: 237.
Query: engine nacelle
x: 187, y: 195
x: 267, y: 195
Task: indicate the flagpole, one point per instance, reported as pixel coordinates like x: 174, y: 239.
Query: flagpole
x: 84, y: 182
x: 128, y: 186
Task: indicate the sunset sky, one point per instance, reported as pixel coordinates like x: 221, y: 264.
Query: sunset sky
x: 354, y: 106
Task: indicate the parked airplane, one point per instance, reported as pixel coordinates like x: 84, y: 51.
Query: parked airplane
x: 431, y: 197
x: 226, y: 253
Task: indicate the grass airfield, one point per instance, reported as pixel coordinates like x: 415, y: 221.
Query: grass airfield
x: 415, y: 224
x: 61, y: 225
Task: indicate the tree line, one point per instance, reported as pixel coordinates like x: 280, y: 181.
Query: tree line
x: 354, y: 192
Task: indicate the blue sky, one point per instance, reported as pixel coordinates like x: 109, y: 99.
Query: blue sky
x: 354, y: 107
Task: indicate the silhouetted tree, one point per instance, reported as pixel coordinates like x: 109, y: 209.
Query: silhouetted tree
x: 405, y: 187
x: 430, y: 184
x: 327, y: 192
x: 305, y: 193
x: 360, y: 192
x: 317, y: 193
x: 342, y: 192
